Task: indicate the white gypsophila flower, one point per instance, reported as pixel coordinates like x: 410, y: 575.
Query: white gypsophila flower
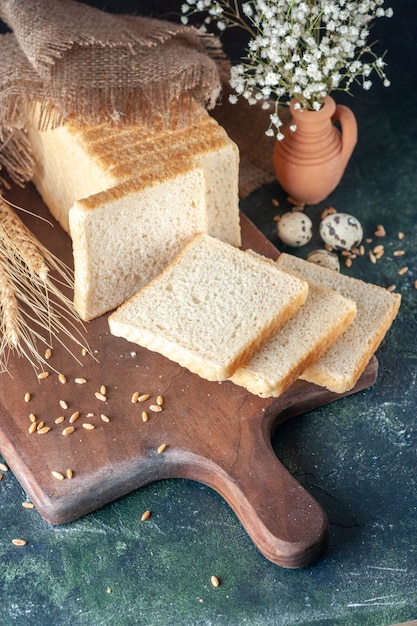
x: 247, y: 9
x: 298, y: 48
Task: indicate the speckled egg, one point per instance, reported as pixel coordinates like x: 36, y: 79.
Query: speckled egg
x: 324, y: 258
x: 341, y: 231
x: 295, y: 228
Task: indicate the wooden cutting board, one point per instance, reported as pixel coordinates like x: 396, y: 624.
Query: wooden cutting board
x: 215, y: 433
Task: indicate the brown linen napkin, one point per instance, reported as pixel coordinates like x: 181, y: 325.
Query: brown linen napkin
x: 97, y: 64
x: 77, y: 60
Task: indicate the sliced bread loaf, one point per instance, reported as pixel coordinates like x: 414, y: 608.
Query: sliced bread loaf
x: 211, y: 309
x: 340, y: 367
x: 116, y: 188
x: 300, y: 342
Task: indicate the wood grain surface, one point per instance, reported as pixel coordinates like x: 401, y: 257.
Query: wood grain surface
x: 215, y: 433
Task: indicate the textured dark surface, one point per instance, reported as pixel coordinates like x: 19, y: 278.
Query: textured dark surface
x: 357, y: 457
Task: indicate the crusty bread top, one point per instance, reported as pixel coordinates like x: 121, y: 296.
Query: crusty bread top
x: 342, y: 364
x: 138, y: 146
x: 324, y: 316
x: 210, y: 309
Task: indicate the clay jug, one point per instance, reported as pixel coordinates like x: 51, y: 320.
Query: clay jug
x: 310, y: 162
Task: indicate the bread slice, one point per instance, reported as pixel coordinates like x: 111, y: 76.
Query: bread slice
x: 211, y: 308
x: 131, y: 197
x: 300, y: 342
x: 342, y: 364
x: 124, y: 237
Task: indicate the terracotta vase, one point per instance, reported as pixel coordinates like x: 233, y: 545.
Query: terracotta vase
x: 310, y: 161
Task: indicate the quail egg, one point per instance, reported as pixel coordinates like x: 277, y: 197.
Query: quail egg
x: 324, y: 258
x: 341, y: 231
x: 295, y: 228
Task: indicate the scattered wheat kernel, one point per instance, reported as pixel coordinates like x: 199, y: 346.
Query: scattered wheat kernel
x: 403, y: 270
x: 372, y: 257
x: 415, y: 284
x: 159, y: 401
x: 276, y: 218
x: 215, y: 581
x: 162, y: 448
x: 74, y: 417
x: 40, y: 425
x: 391, y: 288
x: 135, y: 397
x: 62, y: 379
x: 328, y: 247
x: 32, y: 428
x: 43, y: 375
x: 401, y: 235
x: 57, y: 475
x: 68, y: 431
x: 70, y: 473
x: 155, y: 408
x: 48, y: 353
x: 59, y: 419
x: 274, y: 202
x: 380, y: 231
x: 368, y: 240
x: 1, y: 476
x: 399, y: 252
x: 361, y: 250
x: 27, y: 397
x: 291, y: 200
x: 32, y: 417
x: 28, y: 505
x: 348, y: 262
x: 19, y: 542
x: 88, y: 426
x: 103, y: 390
x: 84, y: 351
x: 145, y: 416
x: 378, y: 248
x: 146, y: 515
x: 104, y: 418
x: 143, y: 397
x: 100, y: 396
x: 63, y: 404
x: 80, y: 381
x: 44, y: 430
x: 3, y: 467
x: 379, y: 254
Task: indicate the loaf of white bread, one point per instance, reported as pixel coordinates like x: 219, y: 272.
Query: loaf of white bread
x: 210, y: 309
x: 138, y: 203
x: 340, y: 367
x: 131, y: 198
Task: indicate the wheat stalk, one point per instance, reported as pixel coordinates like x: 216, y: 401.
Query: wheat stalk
x: 33, y: 308
x: 25, y: 244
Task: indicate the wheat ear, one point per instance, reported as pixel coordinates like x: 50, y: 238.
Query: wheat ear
x: 30, y: 301
x: 25, y: 243
x: 9, y: 307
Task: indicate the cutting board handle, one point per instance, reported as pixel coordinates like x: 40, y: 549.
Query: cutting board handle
x: 283, y: 520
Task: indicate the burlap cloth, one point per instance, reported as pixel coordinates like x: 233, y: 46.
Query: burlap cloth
x: 77, y: 60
